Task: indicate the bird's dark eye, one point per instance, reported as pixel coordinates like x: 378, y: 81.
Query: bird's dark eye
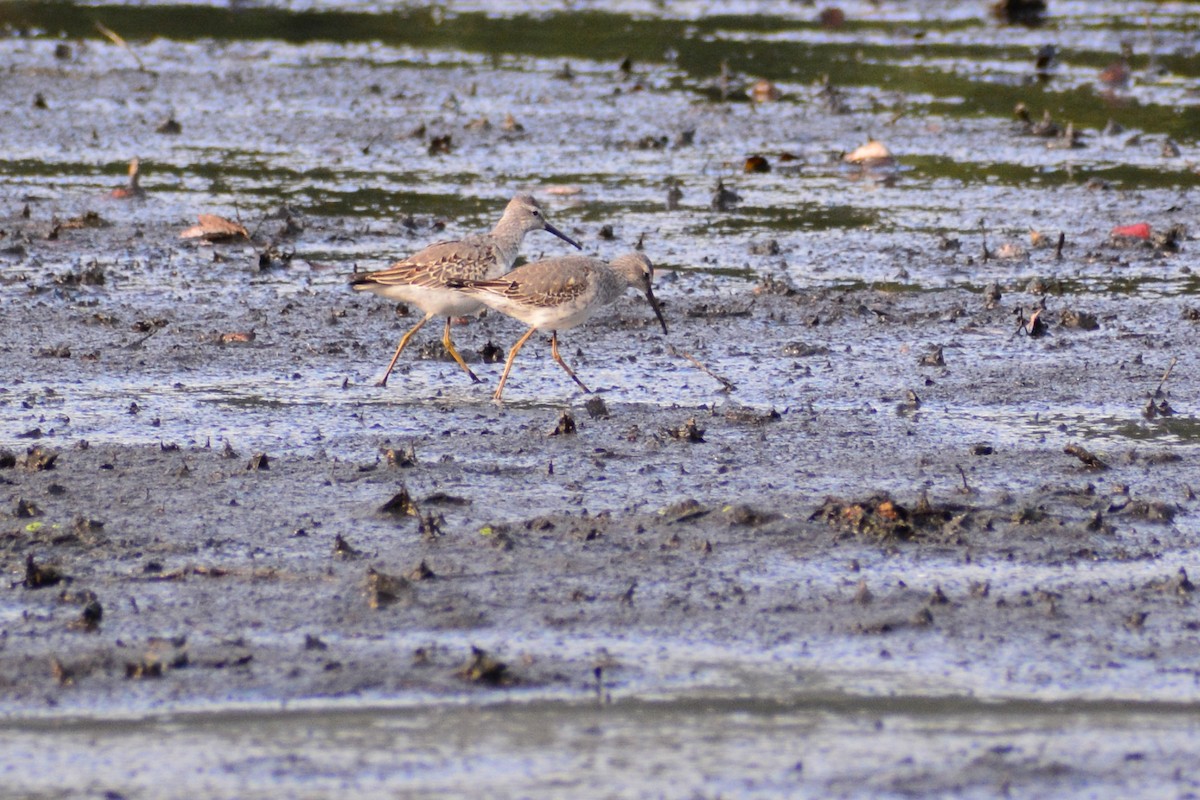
x: 537, y: 213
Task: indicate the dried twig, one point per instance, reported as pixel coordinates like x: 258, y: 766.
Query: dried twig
x: 1167, y: 374
x: 1161, y: 408
x: 966, y: 488
x: 116, y: 39
x: 726, y: 384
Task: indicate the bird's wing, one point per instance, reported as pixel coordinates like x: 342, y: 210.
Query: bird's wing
x: 435, y: 265
x: 539, y: 286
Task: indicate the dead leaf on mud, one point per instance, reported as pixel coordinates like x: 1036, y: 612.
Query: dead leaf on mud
x: 215, y: 229
x: 259, y: 461
x: 565, y: 426
x: 770, y: 285
x: 1010, y: 251
x: 763, y: 91
x: 401, y: 458
x: 596, y: 408
x: 89, y: 219
x: 147, y: 325
x: 873, y: 151
x: 237, y: 337
x: 161, y: 654
x: 483, y: 669
x: 401, y: 505
x: 490, y: 353
x: 342, y: 549
x: 741, y: 514
x: 140, y: 670
x: 1149, y: 510
x: 92, y: 275
x: 444, y: 499
x: 498, y: 536
x: 26, y: 509
x: 683, y: 511
x: 39, y: 576
x: 89, y: 617
x: 922, y: 618
x: 750, y: 416
x: 1090, y: 461
x: 862, y: 594
x: 724, y: 198
x: 1030, y: 13
x: 1179, y: 584
x: 687, y: 432
x: 934, y: 358
x: 1080, y: 320
x: 804, y: 350
x: 756, y: 164
x: 1127, y: 234
x: 421, y: 572
x: 1168, y: 241
x: 1136, y: 621
x: 385, y: 590
x: 64, y: 675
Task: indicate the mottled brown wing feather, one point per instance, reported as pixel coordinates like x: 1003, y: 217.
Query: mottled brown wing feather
x: 545, y: 289
x: 436, y: 264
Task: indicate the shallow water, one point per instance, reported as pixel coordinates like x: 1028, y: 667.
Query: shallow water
x: 807, y: 744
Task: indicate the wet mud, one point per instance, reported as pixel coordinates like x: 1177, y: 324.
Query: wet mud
x: 903, y: 504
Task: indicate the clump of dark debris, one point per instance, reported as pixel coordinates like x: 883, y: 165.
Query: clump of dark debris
x: 882, y: 517
x: 483, y: 669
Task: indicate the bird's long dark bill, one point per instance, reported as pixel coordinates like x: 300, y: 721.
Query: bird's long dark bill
x: 657, y: 309
x: 551, y: 229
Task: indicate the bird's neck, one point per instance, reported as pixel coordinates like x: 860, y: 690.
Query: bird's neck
x: 508, y: 238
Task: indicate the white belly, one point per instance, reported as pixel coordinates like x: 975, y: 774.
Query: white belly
x: 438, y: 302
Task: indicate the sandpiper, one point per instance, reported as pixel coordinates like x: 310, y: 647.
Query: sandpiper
x: 561, y: 293
x: 421, y: 279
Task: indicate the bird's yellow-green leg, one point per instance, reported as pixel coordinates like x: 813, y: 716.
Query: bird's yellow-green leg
x: 454, y: 353
x: 512, y: 354
x: 403, y: 343
x: 563, y: 364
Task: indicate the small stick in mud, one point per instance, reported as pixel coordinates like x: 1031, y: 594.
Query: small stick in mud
x: 1167, y: 374
x: 1163, y: 408
x: 366, y: 149
x: 966, y: 488
x: 726, y: 384
x: 116, y: 39
x: 1058, y: 248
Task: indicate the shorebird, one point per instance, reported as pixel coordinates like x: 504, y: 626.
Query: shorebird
x: 560, y: 293
x: 421, y: 279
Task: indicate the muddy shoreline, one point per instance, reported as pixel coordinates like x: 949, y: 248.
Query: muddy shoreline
x: 762, y: 527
